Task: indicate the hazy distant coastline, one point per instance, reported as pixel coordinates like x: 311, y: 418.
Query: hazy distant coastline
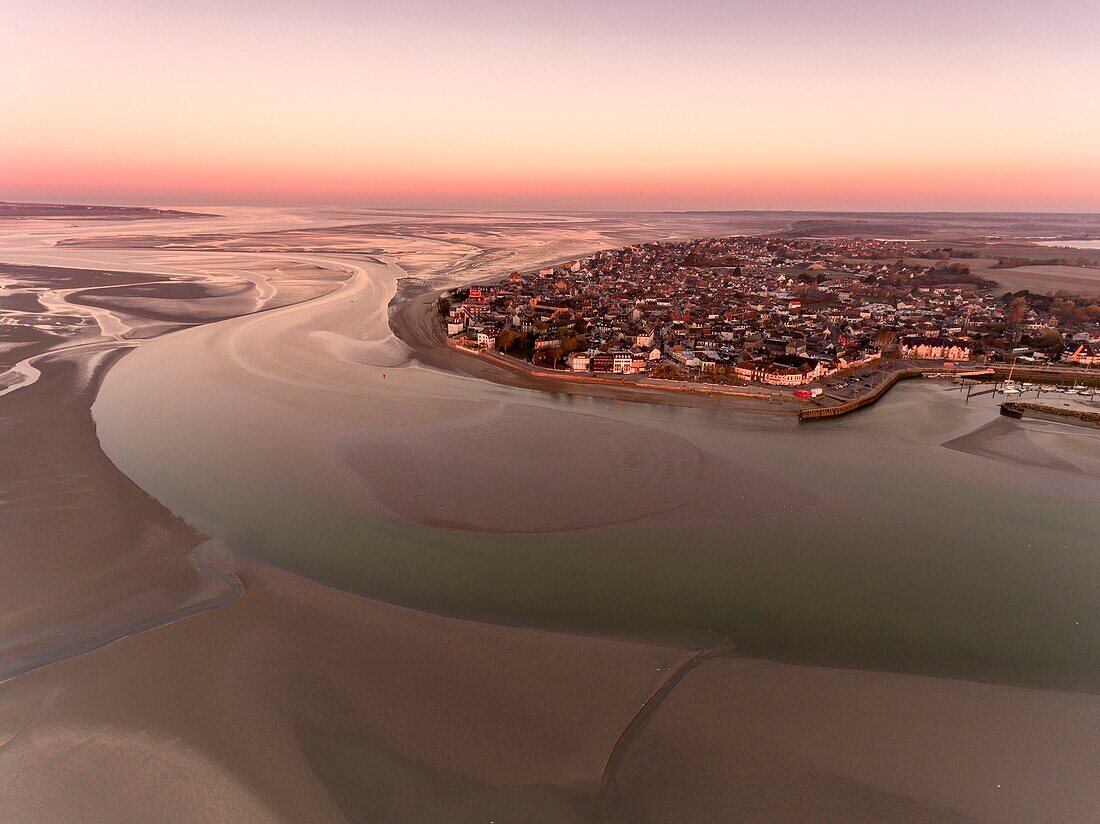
x: 28, y: 211
x: 299, y: 701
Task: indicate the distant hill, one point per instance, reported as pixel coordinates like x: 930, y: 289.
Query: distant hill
x: 989, y: 225
x: 66, y: 210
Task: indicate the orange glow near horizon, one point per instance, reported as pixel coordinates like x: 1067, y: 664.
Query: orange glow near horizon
x: 887, y: 187
x: 689, y: 106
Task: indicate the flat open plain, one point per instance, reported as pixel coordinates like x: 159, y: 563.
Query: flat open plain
x: 245, y: 377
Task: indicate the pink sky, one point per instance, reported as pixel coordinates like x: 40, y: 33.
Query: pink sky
x: 791, y: 104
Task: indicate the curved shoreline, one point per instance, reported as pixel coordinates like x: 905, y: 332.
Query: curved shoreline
x: 124, y: 591
x: 218, y: 585
x: 413, y: 321
x: 311, y: 703
x: 107, y: 559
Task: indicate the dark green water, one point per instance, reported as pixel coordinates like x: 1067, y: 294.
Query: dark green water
x: 867, y: 543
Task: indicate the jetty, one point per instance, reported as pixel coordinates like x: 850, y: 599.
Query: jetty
x: 1046, y: 412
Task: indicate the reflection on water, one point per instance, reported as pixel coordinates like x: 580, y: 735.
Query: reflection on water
x: 859, y: 541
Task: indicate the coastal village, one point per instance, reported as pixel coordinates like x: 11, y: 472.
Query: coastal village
x: 772, y: 311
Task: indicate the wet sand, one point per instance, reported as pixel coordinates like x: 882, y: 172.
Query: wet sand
x: 1034, y: 443
x: 301, y: 703
x: 88, y: 556
x: 752, y: 740
x: 173, y: 302
x: 86, y: 553
x: 449, y: 475
x: 297, y: 702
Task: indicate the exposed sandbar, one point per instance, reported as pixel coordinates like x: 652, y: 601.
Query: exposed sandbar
x: 86, y: 553
x: 301, y: 703
x: 451, y: 476
x: 748, y: 740
x: 1033, y: 443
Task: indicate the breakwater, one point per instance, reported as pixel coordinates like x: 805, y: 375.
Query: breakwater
x: 1078, y: 417
x: 1061, y: 376
x: 871, y: 397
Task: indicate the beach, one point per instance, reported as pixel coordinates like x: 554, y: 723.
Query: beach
x: 297, y: 702
x: 283, y: 698
x: 87, y: 552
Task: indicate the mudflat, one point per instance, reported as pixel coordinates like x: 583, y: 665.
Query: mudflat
x: 450, y: 476
x: 89, y: 556
x: 299, y: 702
x: 86, y: 553
x: 1033, y: 443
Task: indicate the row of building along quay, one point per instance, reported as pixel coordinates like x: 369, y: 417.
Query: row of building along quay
x: 773, y: 311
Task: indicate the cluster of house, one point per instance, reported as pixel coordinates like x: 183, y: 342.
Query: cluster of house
x: 1084, y: 349
x: 771, y: 310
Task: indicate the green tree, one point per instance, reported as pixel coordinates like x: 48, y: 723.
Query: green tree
x: 1051, y: 337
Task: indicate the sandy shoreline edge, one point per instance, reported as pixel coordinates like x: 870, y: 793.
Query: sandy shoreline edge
x: 305, y: 703
x: 107, y: 559
x: 413, y: 320
x: 218, y: 585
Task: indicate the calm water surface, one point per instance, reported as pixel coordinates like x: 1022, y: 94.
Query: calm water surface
x: 859, y: 542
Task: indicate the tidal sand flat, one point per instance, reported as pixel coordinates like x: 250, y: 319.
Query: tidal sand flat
x: 840, y: 573
x: 474, y: 671
x: 752, y: 740
x: 173, y: 301
x: 568, y: 471
x: 88, y: 555
x: 1033, y: 443
x: 301, y: 703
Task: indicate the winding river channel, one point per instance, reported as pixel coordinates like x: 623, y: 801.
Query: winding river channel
x: 310, y: 437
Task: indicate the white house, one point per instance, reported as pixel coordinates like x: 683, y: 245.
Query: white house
x: 579, y: 361
x: 920, y: 348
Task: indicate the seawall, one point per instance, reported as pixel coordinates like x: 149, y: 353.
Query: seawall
x: 818, y: 412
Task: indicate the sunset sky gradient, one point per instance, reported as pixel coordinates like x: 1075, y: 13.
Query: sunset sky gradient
x: 703, y: 104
